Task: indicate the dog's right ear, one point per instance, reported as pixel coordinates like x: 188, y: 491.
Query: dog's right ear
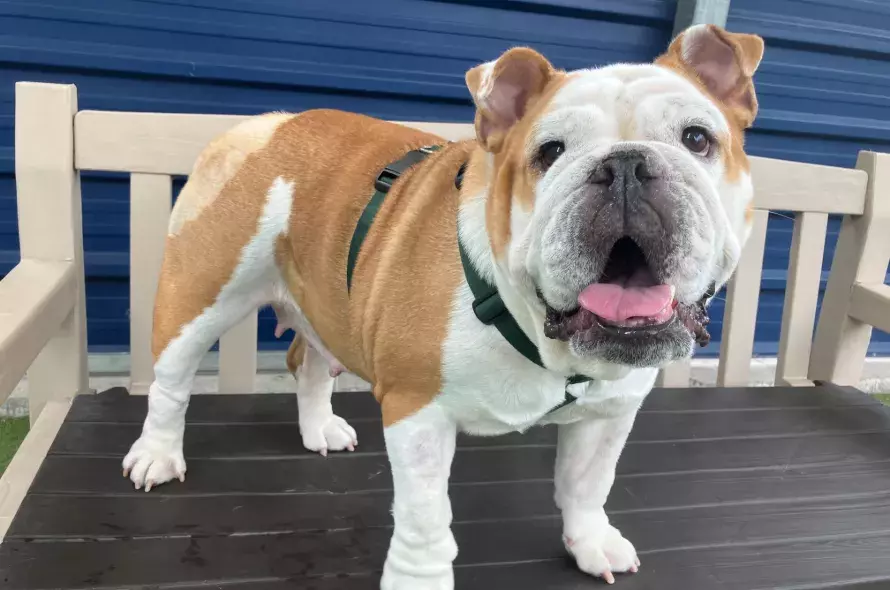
x: 503, y: 91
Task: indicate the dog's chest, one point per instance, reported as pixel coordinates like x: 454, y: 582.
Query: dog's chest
x: 492, y: 389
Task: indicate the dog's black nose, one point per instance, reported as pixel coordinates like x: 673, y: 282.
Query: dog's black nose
x: 623, y: 172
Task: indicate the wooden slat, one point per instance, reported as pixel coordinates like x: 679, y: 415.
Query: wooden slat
x: 117, y: 407
x: 801, y: 295
x: 170, y: 143
x: 138, y: 515
x: 861, y: 256
x: 151, y: 199
x: 237, y: 356
x: 703, y: 480
x: 281, y: 439
x: 740, y: 315
x: 810, y: 553
x: 35, y: 298
x: 162, y: 143
x: 124, y: 517
x: 871, y: 304
x: 368, y: 469
x: 780, y: 185
x: 51, y: 228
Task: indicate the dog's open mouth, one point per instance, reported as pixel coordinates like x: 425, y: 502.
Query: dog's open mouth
x: 626, y: 301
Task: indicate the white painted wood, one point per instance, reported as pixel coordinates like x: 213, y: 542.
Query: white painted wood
x: 780, y: 185
x: 676, y: 374
x: 170, y: 143
x: 801, y: 295
x: 870, y: 304
x: 151, y: 199
x: 163, y: 143
x: 860, y: 257
x: 35, y: 298
x: 238, y: 357
x: 740, y: 315
x: 22, y: 470
x: 50, y: 227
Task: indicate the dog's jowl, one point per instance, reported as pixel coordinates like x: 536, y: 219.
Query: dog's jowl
x: 539, y: 273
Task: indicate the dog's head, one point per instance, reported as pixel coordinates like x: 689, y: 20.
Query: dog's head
x: 618, y: 198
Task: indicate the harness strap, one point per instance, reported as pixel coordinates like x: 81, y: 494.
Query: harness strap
x: 488, y: 306
x: 384, y: 182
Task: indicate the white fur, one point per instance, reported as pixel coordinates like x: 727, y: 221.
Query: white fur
x: 322, y: 430
x: 422, y: 549
x: 156, y: 457
x: 587, y: 453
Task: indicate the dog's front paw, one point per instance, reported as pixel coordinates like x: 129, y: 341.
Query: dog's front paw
x: 150, y: 463
x: 329, y: 433
x: 393, y: 579
x: 603, y: 553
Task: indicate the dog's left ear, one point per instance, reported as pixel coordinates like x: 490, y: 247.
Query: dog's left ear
x: 503, y: 91
x: 723, y: 62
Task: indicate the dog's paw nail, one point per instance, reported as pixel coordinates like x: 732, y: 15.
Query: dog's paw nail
x: 608, y: 577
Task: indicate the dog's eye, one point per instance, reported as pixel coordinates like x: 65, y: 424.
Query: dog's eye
x: 696, y: 140
x: 550, y: 152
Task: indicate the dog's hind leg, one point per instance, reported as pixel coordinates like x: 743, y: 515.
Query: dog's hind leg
x: 315, y: 370
x: 214, y: 273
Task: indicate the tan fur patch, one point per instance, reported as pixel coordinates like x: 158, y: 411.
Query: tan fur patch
x: 296, y: 352
x: 514, y: 177
x: 732, y: 153
x: 218, y: 163
x: 200, y: 257
x: 390, y: 328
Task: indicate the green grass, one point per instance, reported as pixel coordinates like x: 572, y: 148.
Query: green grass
x: 883, y: 397
x: 12, y: 432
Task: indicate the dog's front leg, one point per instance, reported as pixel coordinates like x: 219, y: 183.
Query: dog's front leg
x: 422, y: 549
x: 587, y: 453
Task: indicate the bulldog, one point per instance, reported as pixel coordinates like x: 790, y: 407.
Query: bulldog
x: 540, y: 273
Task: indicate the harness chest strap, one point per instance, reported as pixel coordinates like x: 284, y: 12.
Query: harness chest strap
x: 488, y: 306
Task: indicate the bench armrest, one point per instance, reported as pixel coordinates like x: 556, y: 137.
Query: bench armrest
x: 35, y: 298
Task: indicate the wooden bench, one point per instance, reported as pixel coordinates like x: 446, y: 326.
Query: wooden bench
x: 699, y: 458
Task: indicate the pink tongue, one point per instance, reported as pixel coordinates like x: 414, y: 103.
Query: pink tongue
x: 615, y: 303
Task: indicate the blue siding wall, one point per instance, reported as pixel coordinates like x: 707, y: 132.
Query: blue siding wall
x: 823, y: 96
x: 824, y: 92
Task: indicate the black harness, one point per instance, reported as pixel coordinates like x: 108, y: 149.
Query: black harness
x: 488, y: 306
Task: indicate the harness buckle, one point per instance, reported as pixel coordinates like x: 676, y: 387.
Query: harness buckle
x: 385, y: 180
x: 489, y: 308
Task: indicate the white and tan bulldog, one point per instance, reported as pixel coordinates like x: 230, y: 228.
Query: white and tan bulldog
x: 604, y: 205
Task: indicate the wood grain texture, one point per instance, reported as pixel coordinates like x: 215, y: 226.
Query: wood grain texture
x: 728, y: 489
